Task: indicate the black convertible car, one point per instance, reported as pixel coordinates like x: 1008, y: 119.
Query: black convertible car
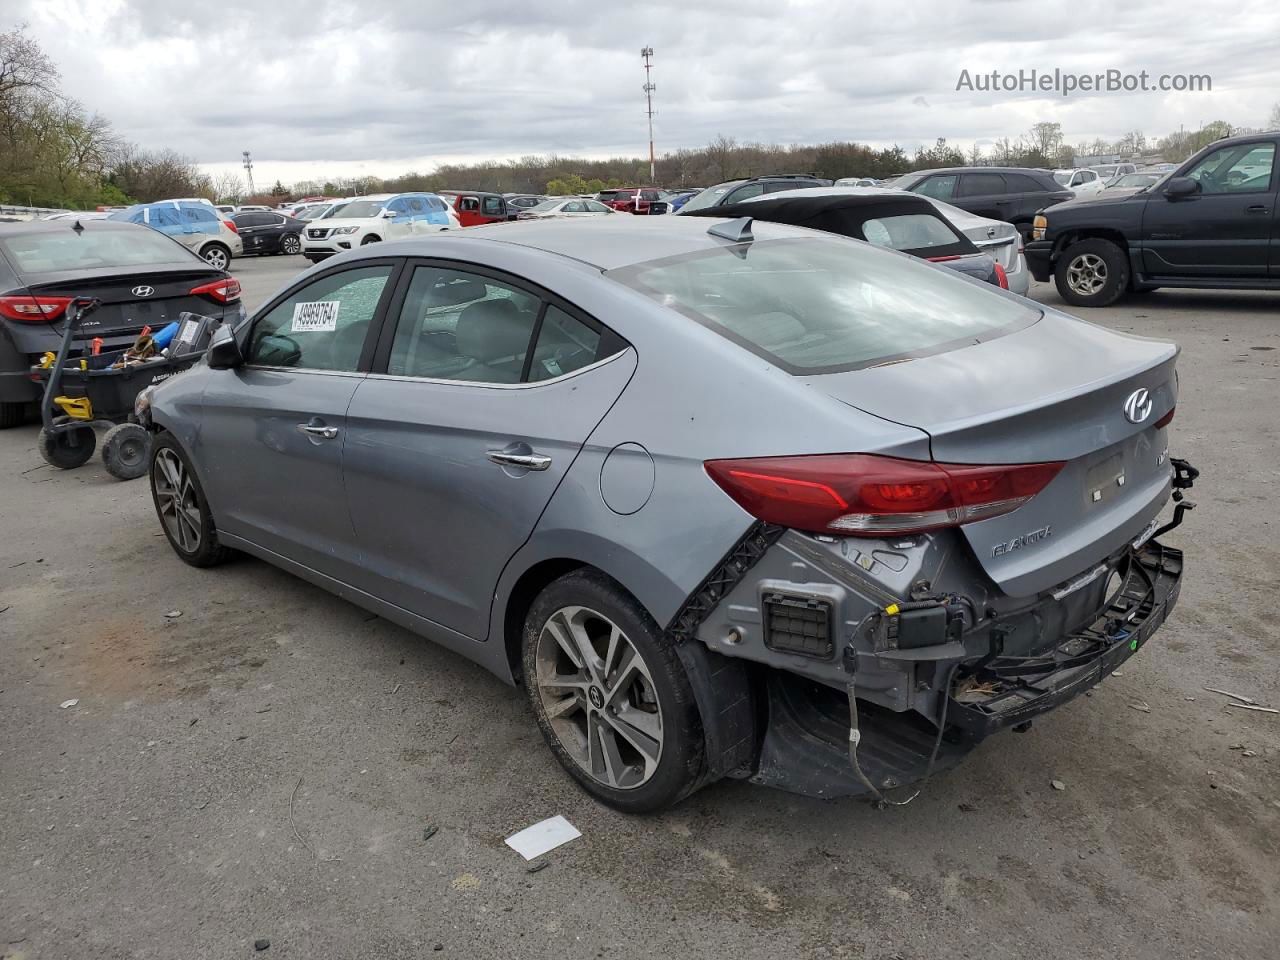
x: 911, y: 225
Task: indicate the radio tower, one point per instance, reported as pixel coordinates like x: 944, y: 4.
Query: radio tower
x: 248, y: 172
x: 649, y: 87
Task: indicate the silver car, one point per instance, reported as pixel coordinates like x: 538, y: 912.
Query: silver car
x: 730, y: 499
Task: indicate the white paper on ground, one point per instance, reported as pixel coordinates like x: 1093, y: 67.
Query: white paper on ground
x: 536, y: 840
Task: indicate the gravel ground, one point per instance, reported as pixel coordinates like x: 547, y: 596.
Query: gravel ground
x: 264, y: 766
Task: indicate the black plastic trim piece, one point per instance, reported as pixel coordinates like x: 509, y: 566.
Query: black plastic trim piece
x: 726, y: 575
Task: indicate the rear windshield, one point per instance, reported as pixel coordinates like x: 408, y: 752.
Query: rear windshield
x: 91, y: 249
x: 827, y: 305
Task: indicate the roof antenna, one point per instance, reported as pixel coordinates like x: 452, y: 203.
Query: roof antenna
x: 78, y: 228
x: 737, y: 230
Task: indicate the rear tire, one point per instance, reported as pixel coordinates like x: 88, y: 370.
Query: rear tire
x: 67, y: 449
x: 126, y: 451
x: 610, y: 695
x: 12, y: 415
x: 182, y: 507
x: 290, y: 245
x: 1092, y: 273
x: 217, y: 255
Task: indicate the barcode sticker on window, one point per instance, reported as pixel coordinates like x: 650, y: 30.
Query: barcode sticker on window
x: 315, y: 317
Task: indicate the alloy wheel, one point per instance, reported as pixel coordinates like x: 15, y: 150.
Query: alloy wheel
x: 1087, y: 274
x: 599, y: 697
x: 291, y: 244
x: 217, y: 257
x: 176, y: 496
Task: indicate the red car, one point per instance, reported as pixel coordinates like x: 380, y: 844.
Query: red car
x: 475, y: 207
x: 631, y: 199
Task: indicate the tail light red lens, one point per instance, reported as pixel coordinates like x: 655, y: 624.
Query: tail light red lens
x: 1001, y: 277
x: 226, y: 290
x: 32, y: 309
x: 867, y: 495
x: 1166, y: 419
x: 231, y: 225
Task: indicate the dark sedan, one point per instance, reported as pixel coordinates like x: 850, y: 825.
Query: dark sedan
x: 265, y: 232
x: 1012, y: 194
x: 142, y: 277
x: 909, y: 225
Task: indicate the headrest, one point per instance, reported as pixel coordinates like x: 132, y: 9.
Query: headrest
x: 492, y: 330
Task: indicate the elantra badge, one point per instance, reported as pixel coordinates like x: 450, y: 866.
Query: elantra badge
x: 143, y: 291
x: 1138, y: 406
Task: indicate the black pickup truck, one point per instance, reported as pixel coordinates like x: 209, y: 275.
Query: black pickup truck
x: 1212, y: 223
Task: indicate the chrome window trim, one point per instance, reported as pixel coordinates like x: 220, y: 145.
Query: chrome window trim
x: 326, y: 373
x: 502, y: 386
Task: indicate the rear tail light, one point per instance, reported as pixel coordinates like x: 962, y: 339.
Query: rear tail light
x: 955, y: 256
x: 867, y: 495
x: 1001, y: 277
x: 1166, y: 419
x: 226, y: 290
x: 32, y: 309
x: 231, y: 224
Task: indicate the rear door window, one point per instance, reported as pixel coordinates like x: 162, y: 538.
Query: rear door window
x: 818, y: 305
x: 1021, y: 183
x: 564, y: 344
x: 493, y: 206
x: 456, y: 325
x: 982, y: 185
x: 323, y: 325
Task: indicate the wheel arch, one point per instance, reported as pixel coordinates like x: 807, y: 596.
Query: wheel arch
x: 1090, y: 233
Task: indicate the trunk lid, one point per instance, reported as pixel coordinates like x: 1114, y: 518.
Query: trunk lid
x: 1053, y: 391
x: 125, y: 312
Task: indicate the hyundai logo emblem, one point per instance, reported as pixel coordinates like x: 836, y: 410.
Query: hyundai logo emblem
x: 1138, y: 406
x: 143, y: 291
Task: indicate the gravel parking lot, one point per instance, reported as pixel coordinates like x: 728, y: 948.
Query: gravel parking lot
x: 268, y: 763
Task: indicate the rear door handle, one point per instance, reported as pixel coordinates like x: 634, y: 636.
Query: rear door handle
x: 526, y: 461
x: 310, y: 430
x: 1257, y: 208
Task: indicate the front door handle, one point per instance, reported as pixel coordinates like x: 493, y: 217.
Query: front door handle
x: 310, y: 430
x: 526, y: 461
x: 1257, y: 208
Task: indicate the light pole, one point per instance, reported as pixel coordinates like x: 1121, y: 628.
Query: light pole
x: 649, y: 87
x: 248, y: 172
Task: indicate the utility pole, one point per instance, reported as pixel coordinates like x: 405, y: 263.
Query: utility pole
x: 649, y: 87
x: 248, y: 172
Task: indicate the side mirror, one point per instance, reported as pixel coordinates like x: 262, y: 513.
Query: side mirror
x: 1180, y: 187
x: 224, y: 352
x: 388, y: 214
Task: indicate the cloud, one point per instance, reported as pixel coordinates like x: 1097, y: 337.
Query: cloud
x: 312, y: 89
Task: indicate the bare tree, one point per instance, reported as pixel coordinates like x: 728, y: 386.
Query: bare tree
x: 228, y: 188
x: 1274, y: 122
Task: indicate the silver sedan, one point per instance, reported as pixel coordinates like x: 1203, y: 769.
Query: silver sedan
x: 729, y: 499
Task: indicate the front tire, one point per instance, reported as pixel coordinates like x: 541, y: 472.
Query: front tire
x: 216, y: 255
x: 182, y: 507
x: 126, y: 450
x: 1092, y: 273
x: 370, y: 239
x: 610, y: 695
x: 67, y: 449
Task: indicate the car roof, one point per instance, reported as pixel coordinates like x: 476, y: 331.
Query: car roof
x: 68, y: 223
x: 951, y: 212
x: 802, y: 204
x: 920, y: 173
x: 608, y: 244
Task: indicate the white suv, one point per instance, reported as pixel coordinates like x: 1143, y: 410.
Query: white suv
x: 1080, y: 181
x: 382, y: 216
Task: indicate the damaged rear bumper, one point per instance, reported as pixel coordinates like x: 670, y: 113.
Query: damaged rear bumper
x: 1007, y: 693
x: 935, y: 658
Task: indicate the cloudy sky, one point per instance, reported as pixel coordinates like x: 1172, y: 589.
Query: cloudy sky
x: 384, y: 86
